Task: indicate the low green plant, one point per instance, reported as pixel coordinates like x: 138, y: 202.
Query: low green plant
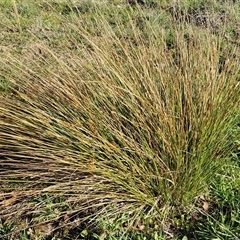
x: 223, y: 219
x: 4, y: 84
x: 5, y: 229
x: 124, y: 126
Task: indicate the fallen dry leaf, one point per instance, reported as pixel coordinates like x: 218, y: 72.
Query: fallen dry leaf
x: 205, y: 206
x: 9, y: 201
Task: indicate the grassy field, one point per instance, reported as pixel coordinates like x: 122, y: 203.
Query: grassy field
x: 119, y: 119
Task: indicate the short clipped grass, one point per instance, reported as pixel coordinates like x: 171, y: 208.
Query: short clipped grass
x: 119, y: 120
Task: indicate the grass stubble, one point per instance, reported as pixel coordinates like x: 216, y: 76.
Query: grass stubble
x: 123, y: 127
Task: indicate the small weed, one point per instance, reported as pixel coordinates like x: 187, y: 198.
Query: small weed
x: 4, y: 84
x: 6, y: 228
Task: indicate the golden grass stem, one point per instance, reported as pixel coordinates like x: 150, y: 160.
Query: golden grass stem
x: 16, y: 15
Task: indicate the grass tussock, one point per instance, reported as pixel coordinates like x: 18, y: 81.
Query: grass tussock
x: 125, y: 125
